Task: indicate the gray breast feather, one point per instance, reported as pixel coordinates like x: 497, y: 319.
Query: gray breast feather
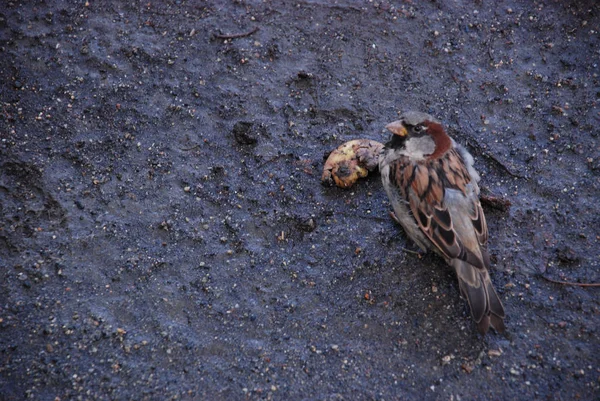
x: 468, y: 162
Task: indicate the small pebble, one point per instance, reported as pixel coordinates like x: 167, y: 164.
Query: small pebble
x: 467, y: 367
x: 494, y: 352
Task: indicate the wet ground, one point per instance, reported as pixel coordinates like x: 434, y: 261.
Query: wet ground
x: 164, y: 234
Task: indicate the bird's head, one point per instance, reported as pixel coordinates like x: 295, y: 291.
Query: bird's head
x: 422, y: 131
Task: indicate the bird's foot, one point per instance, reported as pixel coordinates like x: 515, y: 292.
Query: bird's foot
x: 419, y: 253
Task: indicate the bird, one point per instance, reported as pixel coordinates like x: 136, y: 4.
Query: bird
x: 433, y: 189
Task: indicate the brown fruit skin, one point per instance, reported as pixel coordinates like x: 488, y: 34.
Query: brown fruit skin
x: 351, y: 161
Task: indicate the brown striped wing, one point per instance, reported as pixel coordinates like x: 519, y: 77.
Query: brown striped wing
x: 423, y: 185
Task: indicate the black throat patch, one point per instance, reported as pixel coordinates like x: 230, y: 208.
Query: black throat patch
x: 396, y: 142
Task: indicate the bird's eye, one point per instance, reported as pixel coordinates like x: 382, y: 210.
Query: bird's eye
x: 418, y: 128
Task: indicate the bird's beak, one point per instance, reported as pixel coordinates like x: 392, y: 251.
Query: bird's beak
x: 397, y: 128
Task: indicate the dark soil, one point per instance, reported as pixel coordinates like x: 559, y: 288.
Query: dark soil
x: 164, y: 234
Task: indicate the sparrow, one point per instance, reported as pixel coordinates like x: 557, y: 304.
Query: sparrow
x: 432, y: 186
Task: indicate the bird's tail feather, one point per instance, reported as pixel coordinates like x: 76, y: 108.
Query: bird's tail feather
x: 476, y: 286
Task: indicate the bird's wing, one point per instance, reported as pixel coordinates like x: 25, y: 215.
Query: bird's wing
x: 425, y: 186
